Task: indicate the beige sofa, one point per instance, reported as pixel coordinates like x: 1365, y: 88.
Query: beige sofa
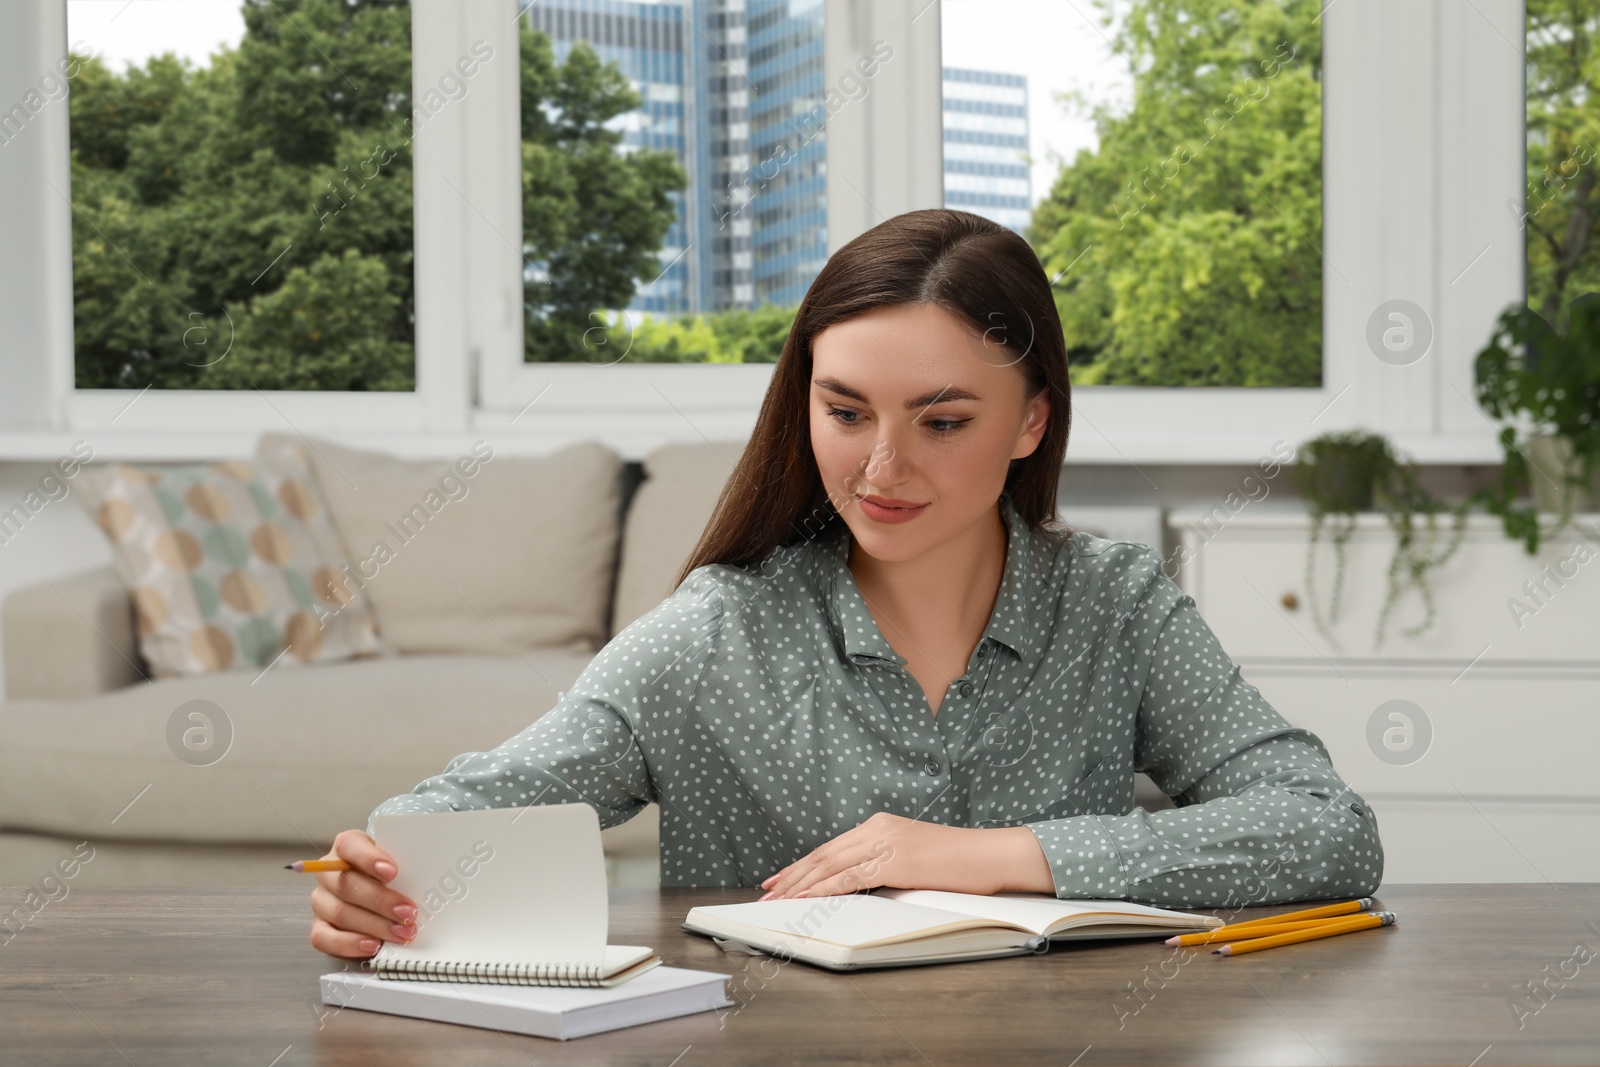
x: 85, y: 749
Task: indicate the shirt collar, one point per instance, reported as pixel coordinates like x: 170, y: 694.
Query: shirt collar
x: 1013, y: 623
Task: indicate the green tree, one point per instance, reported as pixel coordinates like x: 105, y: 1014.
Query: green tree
x: 249, y: 224
x: 741, y: 336
x: 754, y: 336
x: 593, y: 215
x: 1561, y: 210
x: 1185, y: 249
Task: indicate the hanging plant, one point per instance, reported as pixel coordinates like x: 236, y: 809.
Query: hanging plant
x: 1344, y: 474
x: 1548, y: 383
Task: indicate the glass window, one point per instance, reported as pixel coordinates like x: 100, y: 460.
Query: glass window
x: 1164, y: 158
x: 241, y: 194
x: 1559, y: 213
x: 673, y: 163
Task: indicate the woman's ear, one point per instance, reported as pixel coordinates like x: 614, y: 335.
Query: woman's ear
x: 1033, y: 426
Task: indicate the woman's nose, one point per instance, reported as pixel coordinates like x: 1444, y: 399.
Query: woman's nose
x: 884, y: 462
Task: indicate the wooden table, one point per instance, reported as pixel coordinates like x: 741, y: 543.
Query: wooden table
x: 227, y: 976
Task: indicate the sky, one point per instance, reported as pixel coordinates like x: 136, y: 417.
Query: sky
x: 1057, y: 44
x: 124, y: 31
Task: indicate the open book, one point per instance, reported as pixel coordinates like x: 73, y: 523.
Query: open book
x: 512, y: 896
x: 899, y: 927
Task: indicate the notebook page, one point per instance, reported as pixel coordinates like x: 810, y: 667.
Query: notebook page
x: 1037, y: 913
x: 500, y: 885
x: 852, y: 919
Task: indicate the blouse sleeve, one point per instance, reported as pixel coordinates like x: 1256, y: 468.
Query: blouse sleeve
x: 1262, y: 817
x: 589, y: 747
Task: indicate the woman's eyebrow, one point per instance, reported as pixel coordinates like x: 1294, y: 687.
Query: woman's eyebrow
x: 949, y: 392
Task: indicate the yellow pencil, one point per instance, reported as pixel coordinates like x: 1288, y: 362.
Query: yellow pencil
x: 311, y: 866
x: 1344, y: 908
x: 1234, y: 933
x: 1344, y: 926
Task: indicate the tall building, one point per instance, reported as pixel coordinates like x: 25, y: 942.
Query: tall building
x: 985, y: 136
x: 789, y: 217
x: 734, y: 88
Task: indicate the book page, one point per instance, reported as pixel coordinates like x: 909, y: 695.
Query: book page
x: 500, y: 885
x: 853, y: 920
x: 1037, y: 913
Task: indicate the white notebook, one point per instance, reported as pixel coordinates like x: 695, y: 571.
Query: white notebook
x: 899, y: 927
x: 664, y: 993
x: 507, y: 896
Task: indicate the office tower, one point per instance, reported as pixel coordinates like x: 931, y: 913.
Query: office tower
x: 734, y: 88
x: 789, y: 216
x: 985, y: 135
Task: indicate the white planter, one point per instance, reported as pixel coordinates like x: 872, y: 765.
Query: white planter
x: 1550, y: 456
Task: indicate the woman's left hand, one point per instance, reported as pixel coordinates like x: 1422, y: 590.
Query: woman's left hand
x: 892, y: 850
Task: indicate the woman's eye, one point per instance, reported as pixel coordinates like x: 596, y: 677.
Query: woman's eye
x: 840, y: 413
x: 941, y: 427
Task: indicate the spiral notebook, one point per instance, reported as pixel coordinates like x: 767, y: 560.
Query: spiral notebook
x: 664, y: 993
x: 508, y: 896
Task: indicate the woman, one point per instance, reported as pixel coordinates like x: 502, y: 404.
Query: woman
x: 886, y: 663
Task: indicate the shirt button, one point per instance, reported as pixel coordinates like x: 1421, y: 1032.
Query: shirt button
x: 931, y: 767
x: 966, y: 689
x: 1358, y: 809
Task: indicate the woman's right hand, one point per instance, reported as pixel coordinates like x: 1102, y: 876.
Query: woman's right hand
x: 355, y: 910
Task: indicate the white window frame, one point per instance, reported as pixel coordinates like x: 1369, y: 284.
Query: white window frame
x: 1415, y: 207
x: 225, y: 422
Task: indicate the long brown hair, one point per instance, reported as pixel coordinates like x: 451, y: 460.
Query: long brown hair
x: 966, y: 264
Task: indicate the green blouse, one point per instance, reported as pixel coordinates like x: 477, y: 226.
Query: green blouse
x: 765, y: 712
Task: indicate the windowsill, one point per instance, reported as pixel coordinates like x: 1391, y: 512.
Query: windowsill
x: 1086, y: 446
x: 1295, y: 515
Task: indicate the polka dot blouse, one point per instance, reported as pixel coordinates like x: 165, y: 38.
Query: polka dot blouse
x: 765, y: 712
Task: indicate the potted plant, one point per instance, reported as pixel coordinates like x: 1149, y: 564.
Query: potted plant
x: 1343, y: 474
x: 1545, y: 389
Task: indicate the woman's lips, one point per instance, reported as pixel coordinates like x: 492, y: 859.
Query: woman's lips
x: 884, y: 513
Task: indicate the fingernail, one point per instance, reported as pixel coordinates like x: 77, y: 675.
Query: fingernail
x: 368, y: 945
x: 404, y: 933
x: 385, y: 869
x: 405, y: 912
x: 767, y: 882
x: 802, y: 893
x: 767, y: 897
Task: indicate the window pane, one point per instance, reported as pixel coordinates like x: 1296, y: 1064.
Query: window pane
x: 1164, y: 158
x: 1560, y: 214
x: 241, y: 194
x: 674, y: 206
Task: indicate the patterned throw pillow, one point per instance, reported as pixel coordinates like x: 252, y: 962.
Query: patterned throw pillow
x: 230, y: 565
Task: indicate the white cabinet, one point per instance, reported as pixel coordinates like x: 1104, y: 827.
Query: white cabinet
x: 1477, y: 741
